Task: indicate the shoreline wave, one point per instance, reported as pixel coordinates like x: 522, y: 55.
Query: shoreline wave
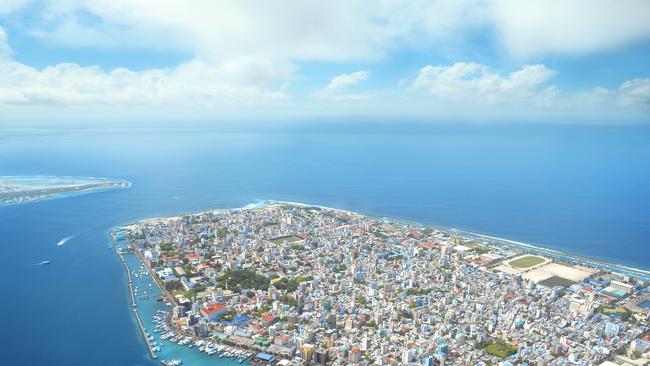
x: 260, y: 203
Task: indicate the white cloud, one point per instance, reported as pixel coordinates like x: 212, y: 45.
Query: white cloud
x: 341, y: 29
x: 5, y: 50
x: 635, y: 92
x: 8, y: 6
x: 538, y: 27
x: 296, y: 30
x: 478, y: 84
x: 237, y: 80
x: 343, y: 81
x: 241, y: 51
x: 477, y: 90
x: 336, y: 88
x: 631, y: 95
x: 194, y: 83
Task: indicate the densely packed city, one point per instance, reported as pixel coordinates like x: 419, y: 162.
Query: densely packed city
x: 296, y: 284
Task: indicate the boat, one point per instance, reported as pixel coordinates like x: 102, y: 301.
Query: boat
x: 175, y: 362
x: 44, y: 263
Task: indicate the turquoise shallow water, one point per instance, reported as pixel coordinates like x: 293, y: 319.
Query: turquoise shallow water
x: 147, y: 306
x: 581, y: 189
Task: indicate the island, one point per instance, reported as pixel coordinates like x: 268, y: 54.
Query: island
x: 24, y: 189
x: 293, y: 284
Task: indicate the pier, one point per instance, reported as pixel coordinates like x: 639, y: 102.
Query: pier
x: 144, y: 334
x: 128, y: 273
x: 132, y: 295
x: 152, y: 353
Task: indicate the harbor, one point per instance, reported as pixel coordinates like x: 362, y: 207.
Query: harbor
x: 151, y: 308
x: 152, y: 353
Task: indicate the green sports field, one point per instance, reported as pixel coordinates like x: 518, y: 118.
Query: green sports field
x: 500, y: 349
x: 526, y: 262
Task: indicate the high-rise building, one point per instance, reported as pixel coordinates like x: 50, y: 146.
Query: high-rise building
x: 611, y: 328
x: 365, y: 343
x: 321, y: 356
x: 407, y: 356
x: 355, y: 355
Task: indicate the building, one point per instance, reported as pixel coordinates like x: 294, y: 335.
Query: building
x: 355, y: 355
x: 213, y: 311
x: 407, y: 356
x: 621, y: 286
x: 321, y: 356
x: 612, y: 328
x: 307, y: 351
x: 264, y: 357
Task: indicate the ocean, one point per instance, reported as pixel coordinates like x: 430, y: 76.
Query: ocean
x: 582, y: 189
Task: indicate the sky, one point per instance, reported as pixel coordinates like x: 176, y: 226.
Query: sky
x: 550, y: 60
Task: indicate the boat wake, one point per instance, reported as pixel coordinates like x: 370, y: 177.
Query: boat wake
x: 41, y: 263
x: 68, y: 238
x: 257, y: 204
x: 65, y: 240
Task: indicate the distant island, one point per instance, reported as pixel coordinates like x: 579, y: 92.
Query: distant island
x: 24, y: 189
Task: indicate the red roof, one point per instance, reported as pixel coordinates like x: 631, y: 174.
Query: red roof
x: 213, y: 308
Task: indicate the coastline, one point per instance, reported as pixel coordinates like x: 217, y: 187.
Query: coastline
x: 153, y: 342
x: 455, y: 234
x: 539, y: 248
x: 578, y: 259
x: 82, y: 185
x: 152, y: 354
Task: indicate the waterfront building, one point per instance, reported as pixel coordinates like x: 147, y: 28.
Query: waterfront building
x: 212, y: 311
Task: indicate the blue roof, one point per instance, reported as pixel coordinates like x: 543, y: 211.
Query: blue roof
x: 264, y: 356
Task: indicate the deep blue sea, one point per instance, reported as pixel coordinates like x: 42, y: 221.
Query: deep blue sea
x: 580, y: 189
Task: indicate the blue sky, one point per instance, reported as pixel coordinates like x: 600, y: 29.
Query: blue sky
x: 209, y: 60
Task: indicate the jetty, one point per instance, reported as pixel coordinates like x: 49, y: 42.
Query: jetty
x: 144, y: 334
x: 128, y: 274
x: 152, y: 353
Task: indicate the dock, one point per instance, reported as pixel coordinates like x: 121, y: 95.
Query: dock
x: 144, y: 334
x: 128, y: 273
x: 132, y: 295
x: 152, y: 353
